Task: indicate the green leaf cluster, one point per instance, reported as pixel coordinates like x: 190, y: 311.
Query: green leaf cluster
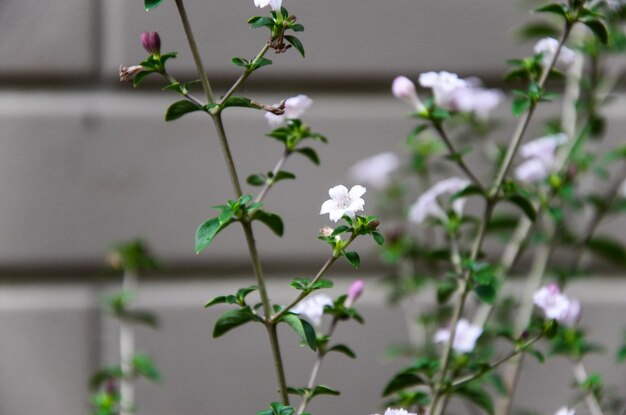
x: 238, y: 298
x: 278, y: 23
x: 118, y: 306
x: 293, y: 133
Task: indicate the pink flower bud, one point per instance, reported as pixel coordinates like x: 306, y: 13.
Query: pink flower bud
x: 151, y: 42
x: 354, y: 292
x: 403, y: 89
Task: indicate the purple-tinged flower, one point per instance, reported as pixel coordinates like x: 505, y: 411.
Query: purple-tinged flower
x: 313, y: 307
x: 443, y: 84
x: 556, y: 305
x: 274, y: 4
x: 540, y: 155
x: 428, y: 205
x: 548, y: 47
x: 391, y: 411
x: 376, y: 170
x: 465, y: 336
x: 354, y: 292
x: 404, y: 89
x: 479, y: 101
x: 151, y: 42
x: 564, y: 410
x: 294, y: 108
x: 343, y: 202
x: 128, y: 72
x: 531, y: 171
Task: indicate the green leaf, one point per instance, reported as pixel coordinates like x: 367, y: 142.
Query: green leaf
x: 402, y: 381
x: 339, y: 230
x: 342, y: 348
x: 140, y: 316
x: 303, y: 328
x: 256, y: 180
x: 207, y: 232
x: 151, y: 4
x: 445, y: 289
x: 477, y: 396
x: 144, y: 366
x: 103, y: 375
x: 324, y: 390
x: 322, y: 284
x: 231, y: 319
x: 295, y: 42
x: 180, y: 108
x: 520, y: 105
x: 599, y: 29
x: 139, y: 77
x: 555, y: 8
x: 524, y: 204
x: 608, y: 248
x: 297, y: 28
x: 353, y: 258
x: 259, y: 63
x: 258, y: 21
x: 235, y: 101
x: 378, y: 238
x: 273, y: 221
x: 283, y: 175
x: 309, y: 153
x: 240, y: 62
x: 486, y: 293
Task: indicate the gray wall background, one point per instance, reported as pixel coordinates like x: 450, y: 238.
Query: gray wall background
x: 85, y: 161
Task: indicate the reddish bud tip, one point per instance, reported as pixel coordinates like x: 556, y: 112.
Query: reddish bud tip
x: 354, y: 292
x: 151, y: 42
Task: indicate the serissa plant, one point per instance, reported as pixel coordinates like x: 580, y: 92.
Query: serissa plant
x: 288, y: 129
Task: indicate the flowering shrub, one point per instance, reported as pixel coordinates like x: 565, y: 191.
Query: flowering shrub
x: 458, y: 359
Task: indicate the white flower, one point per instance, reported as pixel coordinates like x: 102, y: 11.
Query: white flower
x: 390, y: 411
x: 564, y: 410
x: 274, y: 4
x: 548, y: 47
x: 313, y: 307
x: 615, y: 5
x: 443, y: 84
x: 427, y: 204
x: 403, y: 88
x: 375, y: 170
x: 540, y: 155
x: 464, y: 338
x: 557, y: 306
x: 294, y: 108
x: 479, y: 101
x: 343, y: 202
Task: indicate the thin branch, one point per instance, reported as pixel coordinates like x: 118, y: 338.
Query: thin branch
x: 244, y: 75
x: 268, y: 184
x: 581, y: 376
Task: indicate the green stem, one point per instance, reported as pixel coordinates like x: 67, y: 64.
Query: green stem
x: 228, y: 157
x: 195, y: 52
x: 459, y: 160
x: 581, y: 377
x: 268, y: 185
x: 244, y: 75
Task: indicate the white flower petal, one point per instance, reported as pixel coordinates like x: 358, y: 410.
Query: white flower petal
x: 357, y: 191
x: 338, y: 192
x: 376, y: 170
x: 328, y: 206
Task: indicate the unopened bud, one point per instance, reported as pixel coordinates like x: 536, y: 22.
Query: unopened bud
x: 354, y: 292
x: 373, y: 224
x: 128, y: 72
x: 114, y: 260
x: 404, y: 89
x: 151, y: 42
x: 326, y: 231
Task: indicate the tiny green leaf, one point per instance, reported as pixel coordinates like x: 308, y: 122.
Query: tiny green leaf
x: 342, y: 348
x: 207, y: 231
x: 554, y: 8
x: 524, y: 204
x: 233, y: 318
x: 283, y: 175
x: 487, y: 293
x: 240, y: 62
x: 309, y: 153
x: 144, y: 366
x: 256, y: 180
x: 296, y: 43
x: 353, y: 258
x: 235, y: 101
x: 402, y: 381
x: 258, y: 21
x: 259, y: 63
x: 303, y: 328
x: 140, y: 77
x: 477, y: 396
x: 297, y: 28
x: 599, y: 29
x: 180, y: 108
x: 378, y: 238
x: 151, y: 4
x: 273, y: 221
x: 324, y: 390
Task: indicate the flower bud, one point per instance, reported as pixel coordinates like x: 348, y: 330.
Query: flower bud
x: 326, y: 231
x: 151, y: 42
x: 403, y: 89
x: 128, y: 72
x: 354, y: 292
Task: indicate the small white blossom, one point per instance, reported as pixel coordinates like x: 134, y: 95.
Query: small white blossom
x: 541, y: 156
x: 479, y: 101
x: 376, y: 170
x: 404, y: 89
x: 294, y: 108
x: 565, y: 411
x: 343, y: 202
x: 465, y: 336
x: 548, y: 47
x: 313, y: 307
x: 428, y: 205
x: 390, y: 411
x: 443, y: 84
x: 274, y: 4
x: 556, y: 305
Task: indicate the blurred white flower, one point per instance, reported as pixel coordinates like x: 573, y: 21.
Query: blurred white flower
x: 615, y: 4
x: 556, y: 305
x: 403, y: 88
x: 479, y: 101
x: 313, y: 307
x: 390, y: 411
x: 443, y: 84
x: 375, y: 170
x: 294, y: 108
x: 540, y: 155
x: 464, y: 338
x: 274, y: 4
x: 565, y: 411
x: 548, y: 47
x: 428, y: 206
x: 343, y: 202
